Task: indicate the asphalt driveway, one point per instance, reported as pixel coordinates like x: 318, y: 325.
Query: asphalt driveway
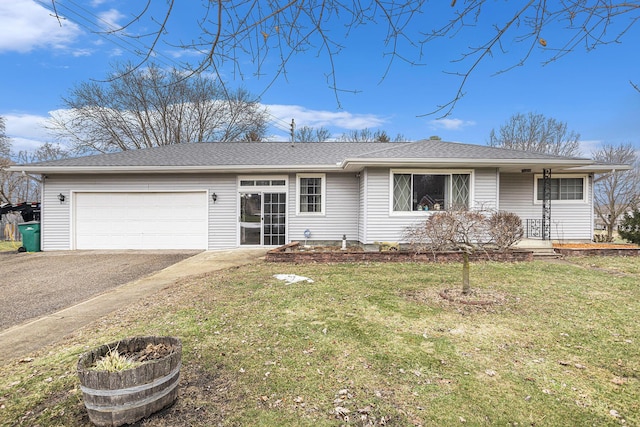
x: 37, y: 284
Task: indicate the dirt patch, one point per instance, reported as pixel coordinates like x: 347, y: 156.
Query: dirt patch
x: 478, y: 299
x: 202, y: 400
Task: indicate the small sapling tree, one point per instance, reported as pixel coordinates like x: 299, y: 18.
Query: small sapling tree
x: 466, y: 231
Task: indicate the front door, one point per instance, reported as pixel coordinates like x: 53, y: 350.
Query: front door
x: 263, y: 218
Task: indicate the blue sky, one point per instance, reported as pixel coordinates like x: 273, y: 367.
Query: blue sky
x: 41, y: 61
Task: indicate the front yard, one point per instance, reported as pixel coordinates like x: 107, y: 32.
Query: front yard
x: 373, y: 344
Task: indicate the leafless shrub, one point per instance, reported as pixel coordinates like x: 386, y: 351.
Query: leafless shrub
x: 451, y: 230
x: 505, y: 229
x: 465, y: 230
x: 435, y: 234
x: 602, y: 238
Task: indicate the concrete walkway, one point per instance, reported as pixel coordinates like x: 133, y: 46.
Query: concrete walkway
x: 21, y: 340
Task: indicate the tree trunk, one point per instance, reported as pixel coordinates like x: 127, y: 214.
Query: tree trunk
x: 466, y: 286
x: 610, y: 227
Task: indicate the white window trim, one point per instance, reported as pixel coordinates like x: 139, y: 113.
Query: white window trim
x: 449, y: 172
x: 323, y: 189
x: 585, y: 184
x: 275, y: 188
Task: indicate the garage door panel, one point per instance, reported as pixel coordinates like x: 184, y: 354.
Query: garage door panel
x: 141, y: 220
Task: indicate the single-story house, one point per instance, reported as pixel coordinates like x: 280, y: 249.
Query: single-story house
x: 228, y: 195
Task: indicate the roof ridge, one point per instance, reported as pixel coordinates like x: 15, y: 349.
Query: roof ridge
x: 390, y: 146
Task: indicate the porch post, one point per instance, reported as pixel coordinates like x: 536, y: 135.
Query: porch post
x: 546, y: 204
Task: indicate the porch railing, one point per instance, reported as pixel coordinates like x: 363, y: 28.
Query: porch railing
x: 534, y: 229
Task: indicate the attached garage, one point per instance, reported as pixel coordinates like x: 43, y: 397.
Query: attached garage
x: 140, y: 220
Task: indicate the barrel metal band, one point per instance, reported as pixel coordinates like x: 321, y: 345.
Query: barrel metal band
x: 132, y: 405
x: 134, y: 389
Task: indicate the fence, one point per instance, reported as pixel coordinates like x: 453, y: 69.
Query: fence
x: 9, y: 226
x: 12, y: 215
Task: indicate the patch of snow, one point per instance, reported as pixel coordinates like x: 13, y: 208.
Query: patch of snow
x: 292, y: 278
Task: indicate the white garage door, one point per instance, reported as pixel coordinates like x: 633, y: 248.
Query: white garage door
x: 140, y: 220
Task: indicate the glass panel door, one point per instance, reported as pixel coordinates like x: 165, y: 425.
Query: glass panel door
x: 250, y: 218
x: 263, y: 218
x: 274, y: 209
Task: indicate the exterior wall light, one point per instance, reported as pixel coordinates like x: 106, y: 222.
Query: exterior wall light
x: 61, y: 197
x: 214, y: 197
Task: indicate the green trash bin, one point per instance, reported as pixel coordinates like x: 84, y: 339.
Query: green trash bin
x: 30, y: 235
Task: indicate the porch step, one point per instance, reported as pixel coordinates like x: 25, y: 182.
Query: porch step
x: 547, y: 255
x: 542, y: 249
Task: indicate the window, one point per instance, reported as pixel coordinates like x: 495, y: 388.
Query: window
x: 430, y: 191
x: 562, y: 189
x: 311, y: 190
x: 262, y: 182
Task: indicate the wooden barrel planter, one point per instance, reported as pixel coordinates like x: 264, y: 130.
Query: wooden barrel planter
x: 125, y: 397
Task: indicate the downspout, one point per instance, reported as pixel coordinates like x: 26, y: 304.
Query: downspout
x: 361, y: 205
x: 42, y: 230
x: 497, y: 189
x: 592, y: 204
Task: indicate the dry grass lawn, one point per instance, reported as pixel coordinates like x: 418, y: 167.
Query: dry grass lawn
x: 373, y: 344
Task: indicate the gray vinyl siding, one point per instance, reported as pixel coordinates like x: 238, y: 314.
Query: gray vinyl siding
x: 57, y: 217
x: 381, y: 225
x: 569, y: 220
x: 485, y: 189
x: 362, y: 207
x: 223, y: 214
x: 384, y: 226
x: 55, y: 228
x: 341, y: 210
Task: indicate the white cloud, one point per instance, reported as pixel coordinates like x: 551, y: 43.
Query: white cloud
x: 451, y: 124
x: 27, y: 131
x: 82, y: 52
x: 588, y: 147
x: 111, y: 18
x: 25, y: 144
x: 318, y: 118
x: 25, y: 25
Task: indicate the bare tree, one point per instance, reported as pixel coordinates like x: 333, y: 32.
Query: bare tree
x: 152, y: 107
x: 616, y: 192
x: 244, y: 36
x: 47, y: 151
x: 253, y: 136
x: 18, y: 188
x: 466, y: 231
x: 367, y: 135
x: 537, y: 133
x: 311, y: 134
x: 6, y: 185
x: 5, y: 141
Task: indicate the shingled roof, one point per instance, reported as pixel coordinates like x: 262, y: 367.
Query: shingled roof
x: 285, y: 156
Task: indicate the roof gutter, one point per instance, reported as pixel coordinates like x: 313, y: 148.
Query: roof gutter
x: 35, y: 169
x: 359, y: 163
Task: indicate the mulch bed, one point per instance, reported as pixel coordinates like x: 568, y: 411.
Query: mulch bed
x: 595, y: 246
x: 597, y: 249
